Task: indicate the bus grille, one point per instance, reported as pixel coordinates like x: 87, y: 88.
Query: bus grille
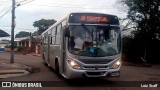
x: 96, y: 61
x: 95, y: 67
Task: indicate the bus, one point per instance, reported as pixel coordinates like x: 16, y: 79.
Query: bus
x: 83, y: 45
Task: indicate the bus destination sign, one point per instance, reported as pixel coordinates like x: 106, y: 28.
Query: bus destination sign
x: 94, y: 18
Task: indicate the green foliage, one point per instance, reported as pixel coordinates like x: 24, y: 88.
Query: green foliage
x: 35, y: 33
x: 43, y: 24
x: 146, y: 38
x: 5, y: 40
x: 134, y: 49
x: 146, y: 14
x: 9, y: 46
x: 22, y: 34
x: 19, y: 48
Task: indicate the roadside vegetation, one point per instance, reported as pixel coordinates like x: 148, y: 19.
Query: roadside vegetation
x: 143, y: 44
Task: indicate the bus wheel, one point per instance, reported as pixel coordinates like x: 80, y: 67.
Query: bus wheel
x: 44, y: 61
x: 57, y: 67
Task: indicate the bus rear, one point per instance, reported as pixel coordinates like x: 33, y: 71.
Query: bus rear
x: 93, y: 45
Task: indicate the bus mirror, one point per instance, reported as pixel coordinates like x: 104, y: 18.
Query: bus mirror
x: 66, y: 32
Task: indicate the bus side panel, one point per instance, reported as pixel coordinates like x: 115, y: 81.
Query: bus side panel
x: 45, y: 53
x: 52, y: 56
x: 54, y: 53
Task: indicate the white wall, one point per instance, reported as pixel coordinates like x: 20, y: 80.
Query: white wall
x: 3, y: 45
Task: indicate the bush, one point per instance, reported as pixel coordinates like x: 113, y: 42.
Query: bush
x: 134, y: 49
x: 19, y: 48
x: 7, y: 46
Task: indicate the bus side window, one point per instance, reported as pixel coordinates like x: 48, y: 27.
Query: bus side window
x: 53, y: 35
x: 64, y: 23
x: 58, y: 33
x: 50, y: 36
x: 42, y: 40
x: 45, y: 38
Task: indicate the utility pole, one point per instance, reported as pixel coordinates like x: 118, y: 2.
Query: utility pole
x: 12, y: 31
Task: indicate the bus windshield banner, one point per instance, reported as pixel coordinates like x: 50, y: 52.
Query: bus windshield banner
x: 93, y: 18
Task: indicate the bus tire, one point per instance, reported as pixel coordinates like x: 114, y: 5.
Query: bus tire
x: 57, y: 67
x: 44, y: 61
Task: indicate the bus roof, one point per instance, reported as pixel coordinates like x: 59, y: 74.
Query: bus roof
x: 87, y: 17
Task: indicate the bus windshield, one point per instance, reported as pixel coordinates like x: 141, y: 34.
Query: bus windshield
x: 94, y: 41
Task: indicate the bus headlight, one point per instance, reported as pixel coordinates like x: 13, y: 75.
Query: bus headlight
x: 73, y: 64
x: 116, y: 64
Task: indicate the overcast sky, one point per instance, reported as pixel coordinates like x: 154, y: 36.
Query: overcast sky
x: 35, y: 10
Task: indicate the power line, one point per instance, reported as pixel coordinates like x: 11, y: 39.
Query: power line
x: 3, y: 4
x: 19, y: 4
x: 73, y: 6
x: 5, y: 8
x: 61, y: 5
x: 25, y: 28
x: 18, y: 28
x: 5, y: 1
x: 22, y: 1
x: 5, y: 12
x: 68, y: 6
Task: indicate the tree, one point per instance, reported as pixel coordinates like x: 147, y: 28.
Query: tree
x: 146, y: 36
x: 35, y: 33
x: 22, y: 34
x: 43, y: 24
x: 146, y: 15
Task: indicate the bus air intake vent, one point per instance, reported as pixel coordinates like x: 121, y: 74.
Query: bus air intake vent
x: 95, y: 67
x: 95, y: 61
x: 95, y: 73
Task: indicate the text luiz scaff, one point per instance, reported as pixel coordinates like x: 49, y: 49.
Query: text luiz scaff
x: 149, y: 85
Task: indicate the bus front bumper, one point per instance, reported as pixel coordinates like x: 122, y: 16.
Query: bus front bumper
x: 76, y: 73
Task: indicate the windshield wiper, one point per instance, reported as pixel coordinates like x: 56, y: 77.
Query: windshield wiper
x: 87, y: 30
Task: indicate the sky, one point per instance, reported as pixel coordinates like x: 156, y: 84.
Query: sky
x: 34, y: 10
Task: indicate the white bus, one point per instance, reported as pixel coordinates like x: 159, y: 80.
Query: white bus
x: 83, y: 45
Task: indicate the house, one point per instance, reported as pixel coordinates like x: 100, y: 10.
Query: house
x: 30, y: 44
x: 3, y: 43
